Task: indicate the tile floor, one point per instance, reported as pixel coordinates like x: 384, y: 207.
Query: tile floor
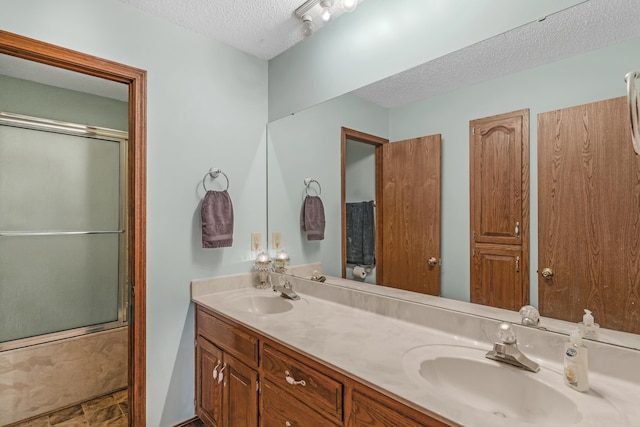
x: 111, y: 410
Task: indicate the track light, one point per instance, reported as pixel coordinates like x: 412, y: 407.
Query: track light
x: 322, y: 11
x: 307, y: 26
x: 326, y: 10
x: 349, y: 5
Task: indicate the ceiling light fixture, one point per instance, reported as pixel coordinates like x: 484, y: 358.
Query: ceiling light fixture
x: 326, y: 10
x: 307, y: 26
x: 349, y: 5
x: 322, y: 11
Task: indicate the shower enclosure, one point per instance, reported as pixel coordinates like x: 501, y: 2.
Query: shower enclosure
x: 63, y: 262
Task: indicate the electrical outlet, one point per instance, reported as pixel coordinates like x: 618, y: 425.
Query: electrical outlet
x: 276, y: 240
x: 256, y: 241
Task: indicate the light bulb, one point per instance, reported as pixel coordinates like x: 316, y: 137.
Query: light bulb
x: 307, y: 26
x: 349, y: 5
x: 326, y: 10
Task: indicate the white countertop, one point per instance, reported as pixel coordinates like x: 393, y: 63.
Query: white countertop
x: 373, y: 347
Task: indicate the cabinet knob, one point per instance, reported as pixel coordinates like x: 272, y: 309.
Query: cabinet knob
x: 287, y: 424
x: 547, y: 273
x: 432, y: 261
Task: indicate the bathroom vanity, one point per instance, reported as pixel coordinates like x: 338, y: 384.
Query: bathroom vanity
x: 341, y: 356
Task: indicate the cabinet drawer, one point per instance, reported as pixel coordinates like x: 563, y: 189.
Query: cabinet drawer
x: 283, y: 410
x: 312, y: 387
x: 230, y: 338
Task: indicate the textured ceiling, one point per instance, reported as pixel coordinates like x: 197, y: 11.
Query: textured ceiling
x: 266, y: 27
x: 263, y: 28
x: 587, y: 26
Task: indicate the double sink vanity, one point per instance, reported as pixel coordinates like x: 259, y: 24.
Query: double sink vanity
x: 346, y: 355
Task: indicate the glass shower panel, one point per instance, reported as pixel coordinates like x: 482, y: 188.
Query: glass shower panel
x: 53, y: 186
x: 56, y: 283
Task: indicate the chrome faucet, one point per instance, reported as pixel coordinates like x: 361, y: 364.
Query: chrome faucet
x: 285, y: 288
x: 506, y: 350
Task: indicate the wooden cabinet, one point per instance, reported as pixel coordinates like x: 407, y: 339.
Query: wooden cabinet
x: 499, y: 187
x: 267, y: 384
x: 494, y: 265
x: 226, y: 388
x: 371, y: 409
x: 300, y: 383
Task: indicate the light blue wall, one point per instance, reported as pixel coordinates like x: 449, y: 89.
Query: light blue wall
x: 307, y: 144
x: 585, y: 78
x: 207, y: 107
x: 48, y: 102
x: 388, y: 37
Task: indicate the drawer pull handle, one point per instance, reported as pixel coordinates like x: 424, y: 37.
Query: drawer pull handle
x: 215, y: 370
x: 292, y: 381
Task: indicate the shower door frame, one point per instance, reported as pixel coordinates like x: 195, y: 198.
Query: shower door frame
x: 136, y: 79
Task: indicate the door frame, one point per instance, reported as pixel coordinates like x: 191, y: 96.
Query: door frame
x: 37, y: 51
x: 377, y: 142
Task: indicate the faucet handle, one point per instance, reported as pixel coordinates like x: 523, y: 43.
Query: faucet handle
x: 530, y: 315
x: 506, y: 334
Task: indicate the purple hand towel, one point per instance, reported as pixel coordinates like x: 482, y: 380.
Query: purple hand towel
x: 217, y: 220
x: 313, y: 218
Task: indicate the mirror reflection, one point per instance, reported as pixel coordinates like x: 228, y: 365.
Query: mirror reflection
x: 545, y: 66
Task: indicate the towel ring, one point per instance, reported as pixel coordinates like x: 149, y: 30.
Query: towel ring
x: 214, y: 173
x: 308, y: 181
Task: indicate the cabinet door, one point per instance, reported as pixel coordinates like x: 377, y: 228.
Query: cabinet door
x: 497, y: 277
x: 370, y: 411
x: 499, y: 172
x: 208, y: 391
x: 240, y: 394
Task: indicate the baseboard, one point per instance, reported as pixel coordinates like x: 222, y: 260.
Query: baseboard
x: 193, y: 422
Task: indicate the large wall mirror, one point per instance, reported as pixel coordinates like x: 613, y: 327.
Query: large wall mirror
x: 577, y: 56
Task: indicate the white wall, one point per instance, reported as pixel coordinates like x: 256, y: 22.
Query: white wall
x: 207, y: 107
x: 388, y: 37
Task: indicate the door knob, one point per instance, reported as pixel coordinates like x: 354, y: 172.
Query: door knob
x: 432, y: 261
x: 547, y: 273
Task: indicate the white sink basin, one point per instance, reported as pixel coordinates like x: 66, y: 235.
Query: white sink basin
x: 262, y: 302
x: 497, y: 391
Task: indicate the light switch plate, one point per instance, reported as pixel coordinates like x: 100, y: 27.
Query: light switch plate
x: 256, y: 241
x: 276, y: 240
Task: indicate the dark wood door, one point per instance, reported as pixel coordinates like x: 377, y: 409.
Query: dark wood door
x: 241, y: 394
x: 589, y: 215
x: 208, y: 391
x: 411, y: 174
x: 499, y: 189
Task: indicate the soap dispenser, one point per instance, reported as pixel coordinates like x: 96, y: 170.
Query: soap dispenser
x: 588, y: 328
x: 576, y: 363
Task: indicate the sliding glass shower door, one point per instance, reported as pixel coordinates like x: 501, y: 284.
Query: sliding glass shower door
x: 63, y: 264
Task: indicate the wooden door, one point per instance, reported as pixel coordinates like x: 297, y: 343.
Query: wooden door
x: 589, y: 215
x: 499, y: 189
x: 497, y: 276
x: 410, y: 215
x: 241, y: 394
x: 208, y: 391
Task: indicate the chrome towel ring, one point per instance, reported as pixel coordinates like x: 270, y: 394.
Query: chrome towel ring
x: 307, y: 183
x: 214, y: 173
